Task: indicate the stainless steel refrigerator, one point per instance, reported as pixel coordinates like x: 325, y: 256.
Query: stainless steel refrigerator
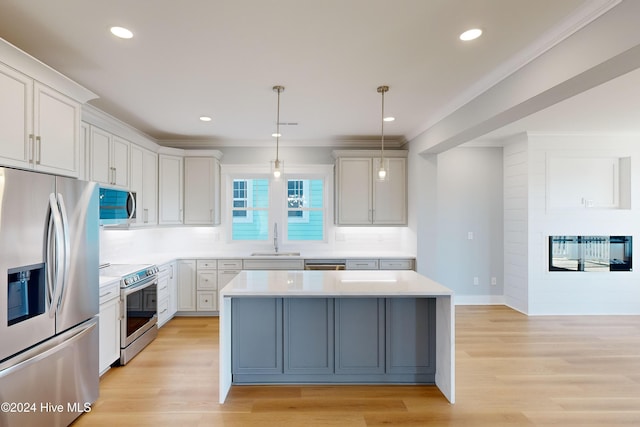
x: 49, y: 256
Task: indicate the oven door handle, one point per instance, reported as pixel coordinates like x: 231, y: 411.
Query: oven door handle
x: 130, y: 290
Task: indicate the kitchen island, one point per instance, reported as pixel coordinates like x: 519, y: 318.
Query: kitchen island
x: 336, y: 327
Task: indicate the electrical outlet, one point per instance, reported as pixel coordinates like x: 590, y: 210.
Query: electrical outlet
x: 476, y: 280
x: 470, y: 235
x: 494, y: 281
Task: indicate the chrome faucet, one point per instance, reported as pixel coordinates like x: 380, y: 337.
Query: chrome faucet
x: 275, y: 237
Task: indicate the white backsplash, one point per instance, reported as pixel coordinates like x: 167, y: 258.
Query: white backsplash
x: 120, y: 245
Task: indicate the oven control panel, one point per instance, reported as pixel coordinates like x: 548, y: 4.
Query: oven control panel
x: 133, y: 278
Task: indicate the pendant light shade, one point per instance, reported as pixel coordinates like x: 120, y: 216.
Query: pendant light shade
x: 383, y: 172
x: 276, y: 165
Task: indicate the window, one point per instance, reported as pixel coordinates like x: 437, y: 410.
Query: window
x: 250, y: 209
x: 305, y: 209
x: 241, y: 200
x: 296, y: 190
x: 298, y: 203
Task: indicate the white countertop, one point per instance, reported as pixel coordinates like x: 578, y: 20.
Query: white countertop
x: 108, y: 280
x: 163, y: 258
x: 402, y: 283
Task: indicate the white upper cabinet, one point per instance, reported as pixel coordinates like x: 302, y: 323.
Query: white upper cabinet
x: 390, y: 196
x: 40, y: 126
x: 144, y: 179
x: 109, y: 156
x: 171, y: 189
x: 363, y: 200
x: 201, y: 191
x: 354, y: 194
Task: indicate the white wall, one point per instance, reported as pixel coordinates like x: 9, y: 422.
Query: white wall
x: 456, y: 193
x: 579, y: 292
x: 516, y: 223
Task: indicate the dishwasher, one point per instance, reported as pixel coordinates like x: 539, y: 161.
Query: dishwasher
x: 325, y: 264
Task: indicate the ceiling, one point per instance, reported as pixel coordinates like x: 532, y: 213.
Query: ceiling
x: 221, y: 59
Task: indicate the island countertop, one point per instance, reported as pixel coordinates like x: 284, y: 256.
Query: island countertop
x: 345, y: 283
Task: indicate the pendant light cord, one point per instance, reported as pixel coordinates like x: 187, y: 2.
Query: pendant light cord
x: 278, y: 124
x: 382, y: 90
x: 278, y: 89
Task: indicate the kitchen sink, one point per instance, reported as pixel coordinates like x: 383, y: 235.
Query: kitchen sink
x: 275, y: 254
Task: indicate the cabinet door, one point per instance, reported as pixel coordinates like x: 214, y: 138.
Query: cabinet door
x: 186, y: 285
x: 173, y: 289
x: 100, y: 146
x: 57, y: 130
x: 257, y: 336
x: 308, y: 336
x: 85, y: 140
x: 359, y: 337
x: 390, y: 196
x: 120, y: 161
x: 200, y: 181
x: 137, y: 185
x: 143, y: 181
x: 109, y: 332
x: 170, y: 192
x: 150, y: 188
x: 354, y: 198
x: 410, y: 330
x: 16, y: 110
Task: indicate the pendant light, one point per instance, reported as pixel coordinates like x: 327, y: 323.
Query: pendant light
x: 277, y: 164
x: 382, y: 170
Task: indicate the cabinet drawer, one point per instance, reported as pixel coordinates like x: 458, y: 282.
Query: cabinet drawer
x: 206, y: 301
x: 396, y: 264
x: 207, y: 281
x: 206, y: 264
x: 109, y: 292
x: 275, y: 264
x: 163, y: 289
x: 362, y: 264
x: 230, y: 264
x: 163, y: 310
x: 165, y: 270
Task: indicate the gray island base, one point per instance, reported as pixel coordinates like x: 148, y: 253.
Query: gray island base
x: 336, y: 327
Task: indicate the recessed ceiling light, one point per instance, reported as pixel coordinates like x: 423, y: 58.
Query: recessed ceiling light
x: 121, y: 32
x: 389, y: 119
x: 276, y: 135
x: 471, y: 34
x: 205, y: 118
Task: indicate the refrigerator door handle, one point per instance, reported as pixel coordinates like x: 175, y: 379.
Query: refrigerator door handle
x: 66, y: 339
x: 66, y: 248
x: 54, y: 241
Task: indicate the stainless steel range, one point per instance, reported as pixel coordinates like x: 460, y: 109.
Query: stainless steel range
x: 138, y: 306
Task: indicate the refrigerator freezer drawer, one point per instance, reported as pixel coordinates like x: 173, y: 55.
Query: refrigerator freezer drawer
x: 54, y: 382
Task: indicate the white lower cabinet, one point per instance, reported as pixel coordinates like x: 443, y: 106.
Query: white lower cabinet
x: 109, y: 326
x: 186, y: 285
x: 197, y: 287
x: 207, y: 285
x: 167, y: 293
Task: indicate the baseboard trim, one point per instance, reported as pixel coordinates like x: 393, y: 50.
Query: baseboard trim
x: 479, y: 300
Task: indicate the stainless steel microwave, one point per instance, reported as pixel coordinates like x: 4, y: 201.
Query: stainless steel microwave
x: 117, y: 207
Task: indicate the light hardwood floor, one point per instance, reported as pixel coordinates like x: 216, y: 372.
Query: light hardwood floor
x: 512, y: 370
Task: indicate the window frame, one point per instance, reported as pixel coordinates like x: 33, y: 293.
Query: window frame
x: 277, y: 212
x: 249, y: 209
